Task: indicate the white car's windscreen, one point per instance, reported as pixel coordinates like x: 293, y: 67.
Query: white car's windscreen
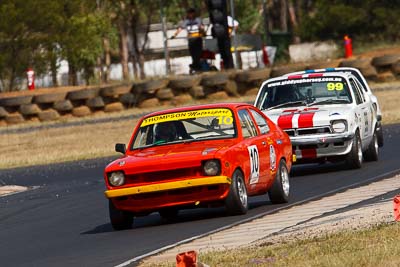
x: 305, y: 91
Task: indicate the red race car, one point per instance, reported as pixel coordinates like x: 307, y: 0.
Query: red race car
x: 198, y: 156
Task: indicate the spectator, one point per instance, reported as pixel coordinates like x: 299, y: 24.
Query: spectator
x: 195, y: 30
x: 232, y: 24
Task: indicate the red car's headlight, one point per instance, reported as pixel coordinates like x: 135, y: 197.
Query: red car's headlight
x: 116, y: 178
x: 212, y: 167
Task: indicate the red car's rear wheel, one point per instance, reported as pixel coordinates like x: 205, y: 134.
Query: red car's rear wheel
x: 279, y: 192
x: 236, y: 203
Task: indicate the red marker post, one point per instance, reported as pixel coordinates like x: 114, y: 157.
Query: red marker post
x: 396, y: 208
x: 348, y: 47
x: 30, y: 74
x: 186, y: 259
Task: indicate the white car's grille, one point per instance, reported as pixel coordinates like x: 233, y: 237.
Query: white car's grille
x: 308, y: 131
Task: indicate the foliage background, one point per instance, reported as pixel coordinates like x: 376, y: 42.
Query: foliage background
x: 90, y: 35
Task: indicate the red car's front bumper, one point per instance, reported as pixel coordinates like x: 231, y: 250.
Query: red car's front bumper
x: 147, y: 198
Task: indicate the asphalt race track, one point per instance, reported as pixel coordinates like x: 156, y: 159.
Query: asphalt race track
x: 65, y: 221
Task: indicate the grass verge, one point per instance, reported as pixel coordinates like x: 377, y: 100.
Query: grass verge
x: 376, y: 246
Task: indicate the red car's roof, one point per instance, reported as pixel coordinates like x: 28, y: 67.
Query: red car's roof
x: 216, y: 105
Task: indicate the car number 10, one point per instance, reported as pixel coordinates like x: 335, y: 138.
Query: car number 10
x: 254, y: 164
x: 225, y: 120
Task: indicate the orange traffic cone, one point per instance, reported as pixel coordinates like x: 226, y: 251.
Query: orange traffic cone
x: 186, y: 259
x: 396, y: 207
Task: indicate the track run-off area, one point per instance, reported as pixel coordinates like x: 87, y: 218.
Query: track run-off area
x: 63, y: 219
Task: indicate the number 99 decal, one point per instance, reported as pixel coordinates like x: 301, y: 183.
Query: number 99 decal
x: 254, y: 164
x: 334, y: 86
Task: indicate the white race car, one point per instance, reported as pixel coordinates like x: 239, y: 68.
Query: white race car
x: 364, y: 84
x: 328, y: 116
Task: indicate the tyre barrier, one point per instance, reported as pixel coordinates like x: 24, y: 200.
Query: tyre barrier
x: 29, y: 109
x: 3, y: 113
x: 52, y: 104
x: 63, y: 106
x: 49, y: 98
x: 48, y: 115
x: 356, y: 63
x: 95, y: 102
x: 184, y: 82
x: 81, y: 111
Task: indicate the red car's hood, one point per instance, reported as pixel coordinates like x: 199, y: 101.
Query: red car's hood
x: 168, y: 157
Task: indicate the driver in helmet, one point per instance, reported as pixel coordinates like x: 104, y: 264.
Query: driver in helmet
x: 165, y: 132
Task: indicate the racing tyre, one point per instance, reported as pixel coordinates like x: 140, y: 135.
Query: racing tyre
x: 236, y: 203
x: 379, y: 134
x: 49, y: 98
x: 169, y: 214
x: 3, y: 112
x: 120, y: 220
x: 15, y: 101
x: 373, y: 149
x: 355, y: 158
x: 279, y: 192
x: 385, y: 60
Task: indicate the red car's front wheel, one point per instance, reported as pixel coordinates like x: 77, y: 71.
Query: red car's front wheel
x: 120, y: 220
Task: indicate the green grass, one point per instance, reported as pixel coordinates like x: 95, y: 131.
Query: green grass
x: 377, y: 246
x: 362, y: 46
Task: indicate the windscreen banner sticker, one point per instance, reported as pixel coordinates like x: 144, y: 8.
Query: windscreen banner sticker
x: 307, y: 80
x: 224, y: 114
x: 254, y: 164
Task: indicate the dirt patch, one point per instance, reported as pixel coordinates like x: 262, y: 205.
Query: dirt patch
x: 11, y: 189
x: 379, y: 52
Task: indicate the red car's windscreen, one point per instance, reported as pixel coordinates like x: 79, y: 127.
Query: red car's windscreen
x: 185, y: 126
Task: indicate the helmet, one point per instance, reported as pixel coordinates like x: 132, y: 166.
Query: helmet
x: 165, y: 131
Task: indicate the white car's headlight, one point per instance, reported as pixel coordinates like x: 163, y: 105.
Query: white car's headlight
x: 339, y: 126
x: 116, y: 178
x: 211, y: 167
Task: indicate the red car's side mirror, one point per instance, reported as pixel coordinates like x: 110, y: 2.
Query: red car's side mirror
x: 121, y: 148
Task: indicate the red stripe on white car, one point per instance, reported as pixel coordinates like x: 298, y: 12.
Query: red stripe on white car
x: 310, y: 153
x: 306, y: 120
x: 285, y: 121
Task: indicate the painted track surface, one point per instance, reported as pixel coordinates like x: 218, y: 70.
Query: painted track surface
x: 65, y: 221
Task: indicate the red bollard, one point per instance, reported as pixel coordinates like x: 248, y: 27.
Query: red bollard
x: 348, y: 47
x: 30, y: 73
x: 396, y: 208
x: 186, y: 259
x: 265, y: 56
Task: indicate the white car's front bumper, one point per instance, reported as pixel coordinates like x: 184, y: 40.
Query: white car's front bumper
x: 321, y: 145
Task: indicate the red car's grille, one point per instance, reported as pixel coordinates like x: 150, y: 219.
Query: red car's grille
x: 176, y: 192
x: 162, y: 176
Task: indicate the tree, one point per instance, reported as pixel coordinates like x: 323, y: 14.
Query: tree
x: 81, y: 41
x: 370, y: 19
x: 22, y: 39
x: 59, y: 29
